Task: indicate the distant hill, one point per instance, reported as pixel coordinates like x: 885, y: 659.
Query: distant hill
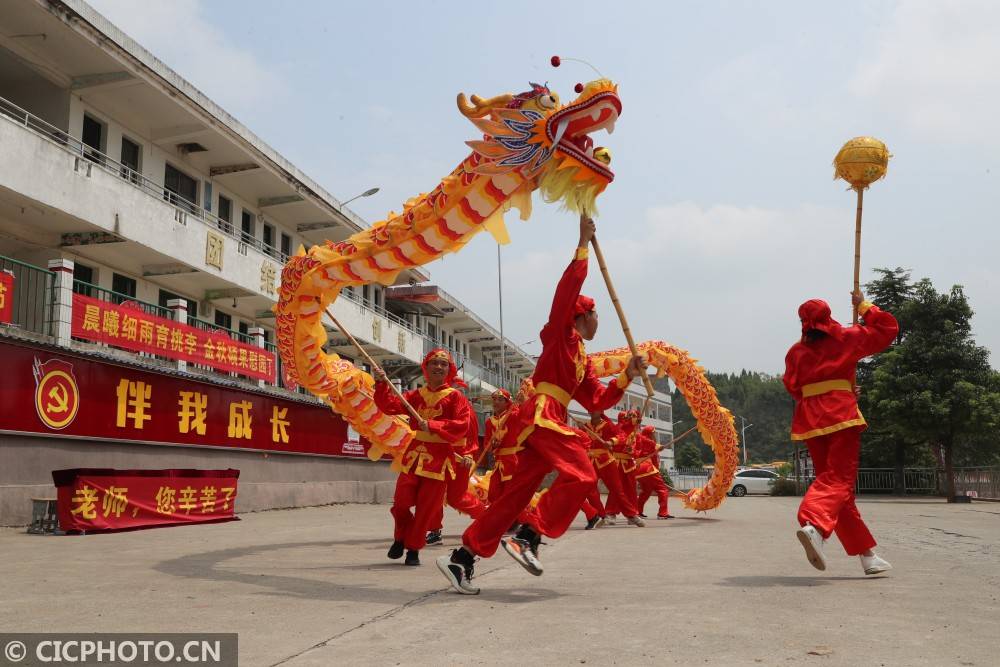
x: 758, y: 397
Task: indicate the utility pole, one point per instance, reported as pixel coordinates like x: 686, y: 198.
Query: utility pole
x: 743, y: 436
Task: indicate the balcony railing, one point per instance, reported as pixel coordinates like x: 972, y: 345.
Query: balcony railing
x: 32, y: 296
x: 183, y: 206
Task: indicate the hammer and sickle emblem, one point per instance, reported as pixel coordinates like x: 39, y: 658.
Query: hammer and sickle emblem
x: 58, y: 394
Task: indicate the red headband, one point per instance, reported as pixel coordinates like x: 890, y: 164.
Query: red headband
x: 583, y: 305
x: 440, y: 353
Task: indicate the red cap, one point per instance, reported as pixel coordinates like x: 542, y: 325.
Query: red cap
x: 815, y: 314
x: 583, y: 305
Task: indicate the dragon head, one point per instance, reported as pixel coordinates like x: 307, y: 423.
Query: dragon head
x: 534, y: 134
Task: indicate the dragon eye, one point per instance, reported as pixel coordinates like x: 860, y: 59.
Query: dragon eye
x: 547, y: 102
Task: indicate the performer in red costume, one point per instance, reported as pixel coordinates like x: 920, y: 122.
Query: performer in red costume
x: 819, y: 374
x: 429, y: 461
x: 562, y: 373
x: 624, y: 453
x: 457, y: 495
x: 495, y: 440
x: 605, y: 438
x: 647, y: 454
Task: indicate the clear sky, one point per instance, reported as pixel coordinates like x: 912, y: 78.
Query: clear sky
x: 723, y: 216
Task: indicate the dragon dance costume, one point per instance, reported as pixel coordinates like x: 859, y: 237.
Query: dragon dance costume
x: 562, y: 373
x: 648, y: 473
x: 428, y: 463
x: 819, y: 374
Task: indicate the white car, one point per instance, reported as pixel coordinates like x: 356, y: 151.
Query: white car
x: 752, y: 480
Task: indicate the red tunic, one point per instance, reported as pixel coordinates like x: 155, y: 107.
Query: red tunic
x: 645, y: 446
x: 563, y: 372
x: 820, y: 375
x: 504, y: 442
x: 624, y: 449
x: 599, y: 453
x: 472, y: 437
x: 447, y: 413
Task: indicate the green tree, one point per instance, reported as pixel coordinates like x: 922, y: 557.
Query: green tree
x: 882, y: 447
x: 935, y: 387
x: 688, y: 456
x: 760, y: 398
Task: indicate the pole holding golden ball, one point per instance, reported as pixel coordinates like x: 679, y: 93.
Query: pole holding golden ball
x: 860, y: 162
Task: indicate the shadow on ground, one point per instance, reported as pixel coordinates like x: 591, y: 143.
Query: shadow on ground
x: 785, y: 582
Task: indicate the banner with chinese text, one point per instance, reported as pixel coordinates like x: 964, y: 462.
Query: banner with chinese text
x: 6, y: 297
x: 93, y: 499
x: 71, y: 395
x: 133, y: 329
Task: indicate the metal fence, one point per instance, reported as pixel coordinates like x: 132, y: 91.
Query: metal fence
x: 977, y: 482
x: 32, y: 296
x: 982, y: 482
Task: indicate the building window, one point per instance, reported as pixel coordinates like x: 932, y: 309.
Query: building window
x: 244, y: 328
x: 286, y: 244
x: 192, y: 306
x: 93, y: 139
x: 84, y: 274
x: 225, y: 214
x: 123, y: 285
x: 131, y: 153
x: 247, y: 227
x: 180, y: 189
x: 270, y: 246
x: 224, y: 320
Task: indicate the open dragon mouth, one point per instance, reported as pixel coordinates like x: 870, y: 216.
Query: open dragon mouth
x: 569, y: 129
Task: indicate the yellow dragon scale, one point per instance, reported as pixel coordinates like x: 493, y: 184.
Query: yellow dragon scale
x: 715, y: 423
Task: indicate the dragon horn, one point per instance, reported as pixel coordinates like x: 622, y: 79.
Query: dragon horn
x: 480, y: 107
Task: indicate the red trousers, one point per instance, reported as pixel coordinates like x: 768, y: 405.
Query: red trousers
x: 651, y: 484
x: 622, y: 497
x: 589, y: 510
x: 458, y: 497
x: 497, y: 486
x: 594, y: 500
x: 829, y: 503
x: 426, y: 496
x: 545, y: 450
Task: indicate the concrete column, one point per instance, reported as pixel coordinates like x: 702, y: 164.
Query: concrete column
x: 258, y: 336
x: 62, y: 300
x: 180, y: 308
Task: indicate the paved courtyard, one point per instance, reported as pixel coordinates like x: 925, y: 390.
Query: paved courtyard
x: 312, y: 587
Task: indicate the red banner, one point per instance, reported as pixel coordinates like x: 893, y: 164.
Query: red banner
x: 70, y: 395
x: 90, y: 499
x: 6, y: 297
x: 131, y: 328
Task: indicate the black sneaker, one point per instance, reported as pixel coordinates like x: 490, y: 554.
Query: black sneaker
x: 524, y: 549
x: 412, y: 557
x: 643, y: 515
x: 592, y: 523
x: 396, y: 550
x: 457, y: 569
x: 434, y: 537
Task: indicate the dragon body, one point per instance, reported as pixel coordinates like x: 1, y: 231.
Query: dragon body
x: 529, y: 142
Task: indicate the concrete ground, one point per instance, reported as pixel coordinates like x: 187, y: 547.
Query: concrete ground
x: 313, y: 587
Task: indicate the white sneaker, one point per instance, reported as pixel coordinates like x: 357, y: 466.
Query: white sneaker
x: 610, y: 519
x: 875, y: 565
x: 637, y: 521
x: 812, y: 542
